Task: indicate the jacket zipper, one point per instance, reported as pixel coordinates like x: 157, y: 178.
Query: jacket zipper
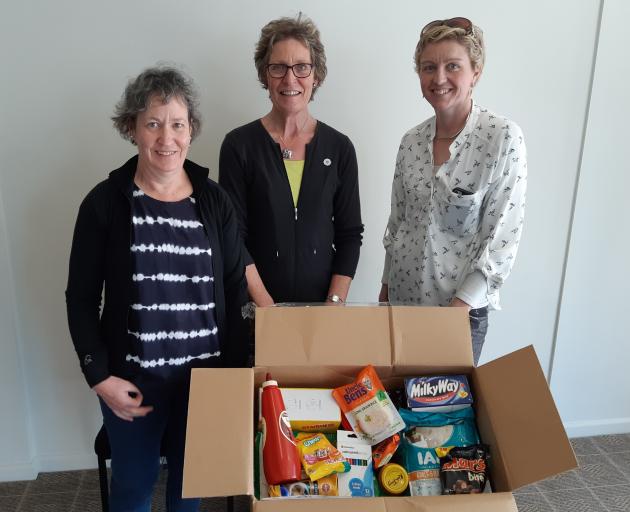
x: 295, y: 212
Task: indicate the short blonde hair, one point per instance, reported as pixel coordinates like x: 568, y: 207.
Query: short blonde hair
x: 471, y: 40
x: 301, y: 29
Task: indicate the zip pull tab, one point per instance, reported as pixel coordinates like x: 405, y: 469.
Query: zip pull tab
x: 296, y: 213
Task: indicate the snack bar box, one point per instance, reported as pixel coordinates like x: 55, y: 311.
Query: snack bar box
x: 326, y: 347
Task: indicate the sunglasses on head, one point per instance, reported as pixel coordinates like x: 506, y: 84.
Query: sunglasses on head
x: 463, y: 23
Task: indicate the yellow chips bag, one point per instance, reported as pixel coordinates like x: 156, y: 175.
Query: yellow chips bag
x: 319, y: 457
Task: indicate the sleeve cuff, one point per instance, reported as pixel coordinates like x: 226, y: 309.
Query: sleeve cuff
x: 386, y: 267
x: 247, y: 258
x: 474, y: 290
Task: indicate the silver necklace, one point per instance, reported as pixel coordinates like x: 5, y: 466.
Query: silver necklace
x: 287, y: 154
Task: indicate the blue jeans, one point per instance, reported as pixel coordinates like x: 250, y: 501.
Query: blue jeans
x: 135, y: 447
x: 478, y: 329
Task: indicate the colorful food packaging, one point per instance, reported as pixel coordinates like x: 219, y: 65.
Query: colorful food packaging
x: 383, y: 452
x: 325, y: 486
x: 368, y: 407
x: 464, y: 470
x: 440, y: 393
x: 359, y: 481
x: 319, y: 457
x: 427, y: 431
x: 393, y: 479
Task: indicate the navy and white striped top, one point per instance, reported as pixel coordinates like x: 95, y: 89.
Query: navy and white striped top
x: 172, y: 324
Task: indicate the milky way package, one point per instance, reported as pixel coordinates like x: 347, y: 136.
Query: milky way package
x: 439, y: 393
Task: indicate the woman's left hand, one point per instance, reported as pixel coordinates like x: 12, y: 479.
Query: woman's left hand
x: 339, y: 286
x: 459, y: 303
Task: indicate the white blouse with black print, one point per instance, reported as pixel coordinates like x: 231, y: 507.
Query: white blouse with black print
x: 455, y: 232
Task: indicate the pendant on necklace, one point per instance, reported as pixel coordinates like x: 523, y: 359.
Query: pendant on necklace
x: 287, y: 154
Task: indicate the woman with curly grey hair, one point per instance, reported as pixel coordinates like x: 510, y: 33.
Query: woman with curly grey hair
x: 458, y: 195
x: 162, y: 240
x: 293, y: 179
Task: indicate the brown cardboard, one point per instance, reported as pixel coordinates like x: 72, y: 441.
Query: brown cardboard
x: 326, y: 347
x: 496, y: 502
x: 323, y: 335
x: 219, y: 434
x: 431, y: 338
x: 525, y: 423
x: 318, y: 505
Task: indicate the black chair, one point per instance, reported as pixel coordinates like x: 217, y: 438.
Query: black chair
x: 104, y: 453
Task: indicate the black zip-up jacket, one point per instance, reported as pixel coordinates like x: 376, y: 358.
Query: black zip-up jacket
x: 296, y: 250
x: 101, y: 255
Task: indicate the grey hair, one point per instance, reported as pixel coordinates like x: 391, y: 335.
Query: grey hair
x: 472, y: 42
x: 163, y: 81
x: 301, y: 29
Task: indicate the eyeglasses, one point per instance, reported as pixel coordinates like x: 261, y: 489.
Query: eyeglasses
x: 301, y: 70
x: 463, y: 23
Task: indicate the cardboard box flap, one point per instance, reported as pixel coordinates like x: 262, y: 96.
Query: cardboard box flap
x: 323, y: 335
x: 523, y: 417
x: 496, y: 502
x: 321, y: 504
x: 432, y: 337
x: 314, y: 376
x: 219, y: 435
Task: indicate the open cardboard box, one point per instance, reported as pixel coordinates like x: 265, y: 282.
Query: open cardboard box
x: 326, y: 347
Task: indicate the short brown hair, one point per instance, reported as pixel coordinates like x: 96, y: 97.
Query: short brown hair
x: 163, y: 81
x: 301, y: 29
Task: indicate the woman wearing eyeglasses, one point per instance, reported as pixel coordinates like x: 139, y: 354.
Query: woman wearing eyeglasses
x: 293, y: 179
x: 458, y: 193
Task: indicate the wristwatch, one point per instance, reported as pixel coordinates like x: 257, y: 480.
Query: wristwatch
x: 335, y: 298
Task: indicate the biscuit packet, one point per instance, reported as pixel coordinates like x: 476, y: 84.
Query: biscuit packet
x: 319, y: 457
x: 368, y: 407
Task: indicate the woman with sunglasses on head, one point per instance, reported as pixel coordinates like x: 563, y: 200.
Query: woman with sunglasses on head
x: 459, y: 184
x: 293, y: 179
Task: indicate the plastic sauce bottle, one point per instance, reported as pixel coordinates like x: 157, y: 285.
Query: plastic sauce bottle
x: 281, y: 460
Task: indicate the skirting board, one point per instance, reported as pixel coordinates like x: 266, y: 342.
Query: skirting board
x: 29, y: 471
x: 67, y: 462
x: 597, y: 427
x: 14, y: 472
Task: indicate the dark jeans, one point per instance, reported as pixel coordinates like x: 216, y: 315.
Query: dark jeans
x: 136, y: 446
x: 478, y: 330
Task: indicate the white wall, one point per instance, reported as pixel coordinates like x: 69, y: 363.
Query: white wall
x: 590, y: 377
x: 66, y: 64
x: 16, y: 455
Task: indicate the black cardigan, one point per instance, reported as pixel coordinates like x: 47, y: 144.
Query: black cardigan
x: 296, y: 251
x: 101, y: 254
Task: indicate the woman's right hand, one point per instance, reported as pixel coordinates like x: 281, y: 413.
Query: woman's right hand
x: 383, y: 296
x: 122, y: 397
x: 256, y: 288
